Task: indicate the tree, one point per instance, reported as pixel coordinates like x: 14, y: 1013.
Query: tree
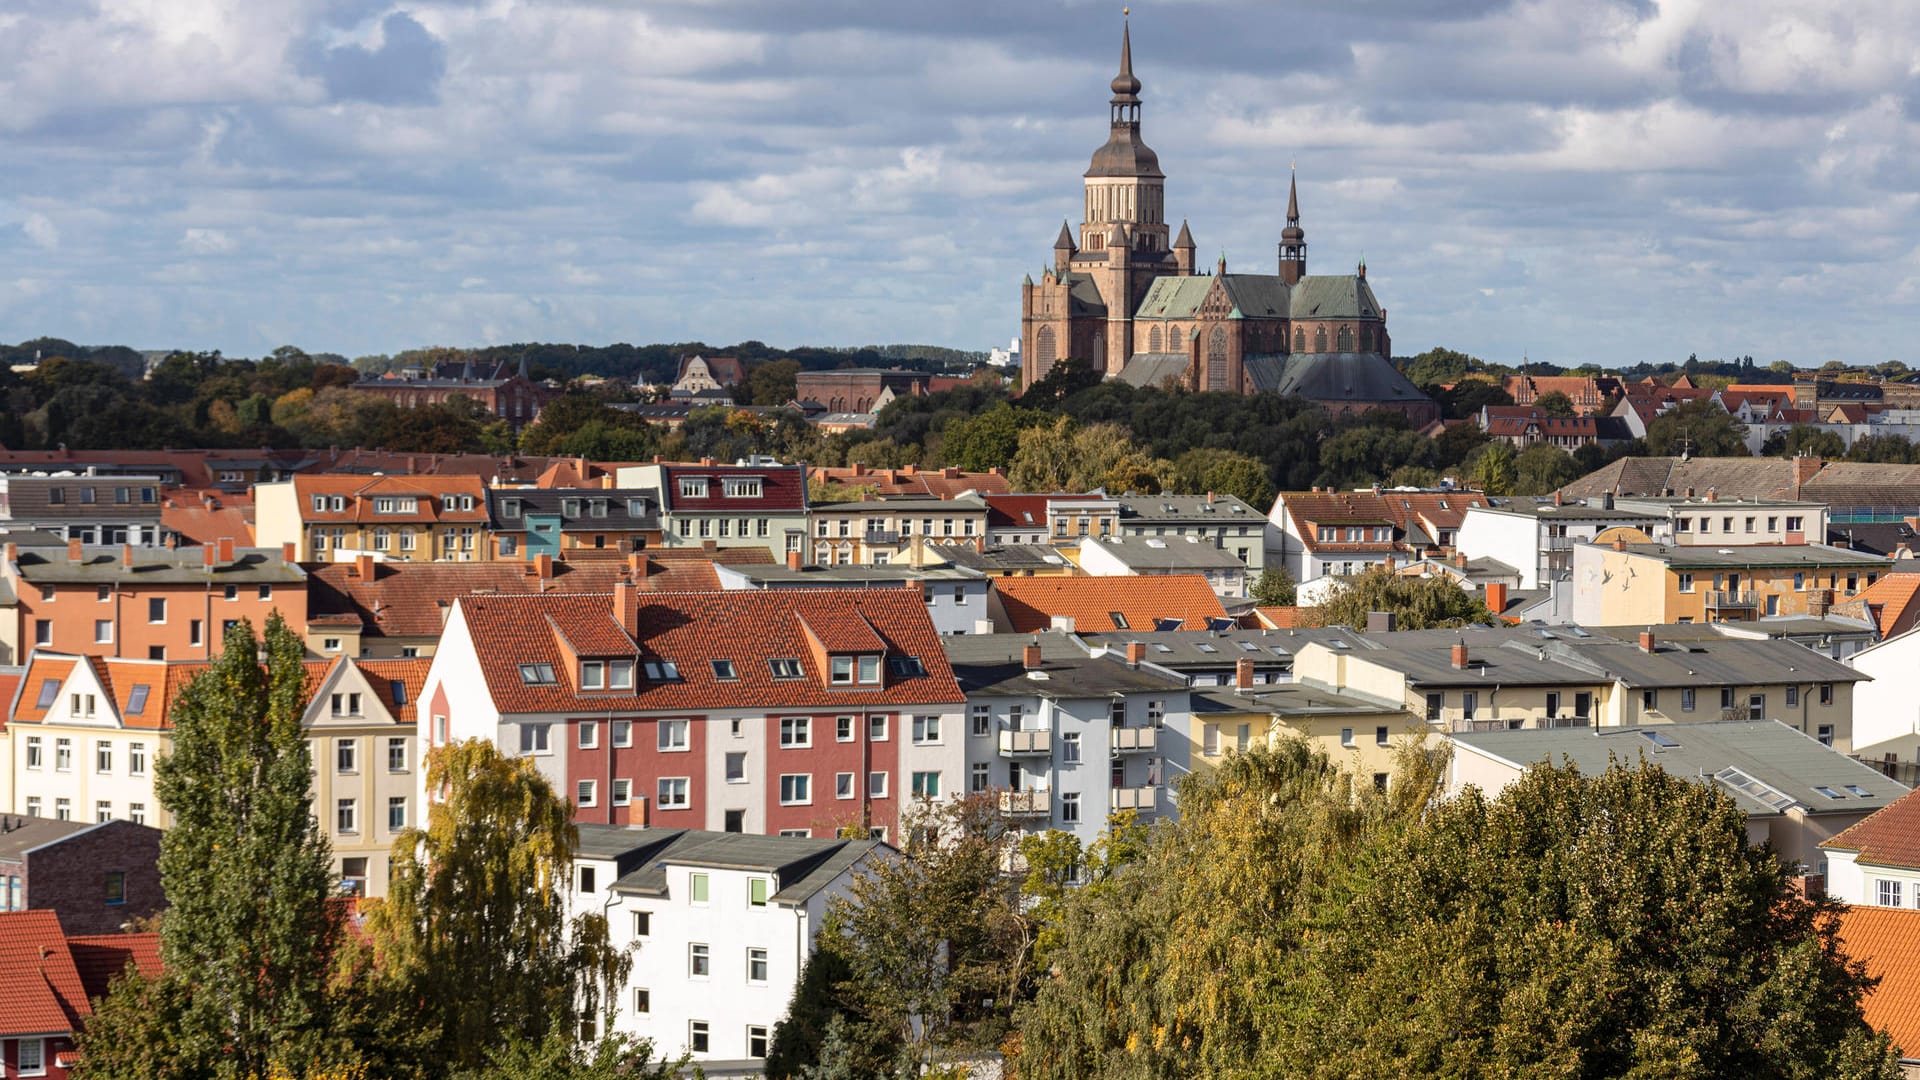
x: 1369, y: 454
x: 1417, y: 603
x: 1554, y: 403
x: 250, y: 928
x: 473, y: 935
x: 990, y: 439
x: 1275, y: 588
x: 1068, y: 457
x: 1226, y: 472
x: 1492, y: 468
x: 1700, y: 428
x: 1805, y: 440
x: 1888, y: 449
x: 800, y: 1038
x: 1542, y: 468
x: 1464, y: 399
x: 774, y: 382
x: 558, y: 1057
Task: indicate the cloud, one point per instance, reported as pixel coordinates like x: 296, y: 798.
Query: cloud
x: 41, y: 231
x: 404, y: 68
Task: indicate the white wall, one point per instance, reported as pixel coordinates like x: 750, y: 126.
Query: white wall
x: 1851, y: 883
x: 1509, y: 538
x: 1886, y: 711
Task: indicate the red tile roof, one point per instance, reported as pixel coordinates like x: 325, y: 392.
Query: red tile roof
x: 1431, y: 511
x: 40, y: 989
x: 1017, y: 511
x: 1890, y: 836
x: 1031, y: 603
x: 841, y: 631
x: 9, y: 686
x: 1280, y: 618
x: 359, y: 492
x: 783, y: 489
x: 1890, y: 603
x: 1888, y: 941
x: 164, y: 679
x: 748, y: 626
x: 100, y: 958
x: 411, y: 674
x: 915, y: 481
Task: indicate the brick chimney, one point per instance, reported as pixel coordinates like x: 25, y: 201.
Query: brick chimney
x: 287, y: 552
x: 126, y: 555
x: 1646, y: 640
x: 626, y: 605
x: 793, y: 560
x: 1030, y: 656
x: 12, y: 553
x: 1243, y: 673
x: 1804, y: 469
x: 543, y: 566
x: 1619, y: 543
x: 1713, y: 494
x: 709, y: 546
x: 364, y: 567
x: 226, y: 551
x: 1460, y: 560
x: 1136, y: 652
x: 1459, y: 655
x: 209, y: 556
x: 1496, y: 596
x: 74, y: 551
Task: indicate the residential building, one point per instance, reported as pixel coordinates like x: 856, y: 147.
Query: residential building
x: 399, y: 518
x: 1647, y: 400
x: 753, y: 710
x: 1340, y: 534
x: 529, y: 522
x: 752, y: 504
x: 362, y: 726
x: 226, y: 470
x: 207, y: 516
x: 1066, y: 734
x: 46, y: 1003
x: 1887, y: 717
x: 1622, y: 583
x: 1212, y: 657
x: 1711, y: 520
x: 1795, y: 792
x: 882, y: 531
x: 997, y: 560
x: 1891, y: 605
x: 1590, y: 395
x: 1059, y: 519
x: 1537, y: 536
x: 1090, y: 604
x: 142, y: 602
x: 1230, y: 522
x: 1154, y: 556
x: 96, y: 877
x: 1522, y: 426
x: 1877, y: 862
x: 1888, y: 942
x: 90, y: 508
x: 1359, y: 734
x: 911, y: 481
x: 719, y: 926
x: 956, y: 597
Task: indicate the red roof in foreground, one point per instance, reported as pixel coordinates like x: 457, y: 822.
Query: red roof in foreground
x: 1031, y: 603
x: 100, y: 958
x: 1888, y: 940
x: 40, y: 989
x: 1890, y: 836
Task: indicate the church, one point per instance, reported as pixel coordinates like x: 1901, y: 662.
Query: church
x: 1125, y: 294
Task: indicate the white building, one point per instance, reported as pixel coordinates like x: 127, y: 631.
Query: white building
x: 719, y: 926
x: 1537, y: 538
x: 1886, y: 711
x: 1877, y: 862
x: 1134, y: 556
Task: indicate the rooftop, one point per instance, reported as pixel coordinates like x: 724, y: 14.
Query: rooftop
x: 1784, y: 556
x: 157, y: 566
x: 1151, y: 553
x: 800, y: 866
x: 992, y: 665
x: 1888, y: 837
x: 1109, y: 603
x: 40, y: 989
x: 1888, y: 941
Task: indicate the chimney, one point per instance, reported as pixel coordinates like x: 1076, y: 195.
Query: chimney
x: 1210, y: 495
x: 74, y: 553
x: 1382, y: 622
x: 207, y: 555
x: 1556, y: 498
x: 543, y: 566
x: 363, y: 567
x: 1804, y: 469
x: 1619, y: 543
x: 626, y: 605
x: 226, y: 551
x: 911, y: 469
x: 1460, y: 559
x: 706, y: 462
x: 287, y: 552
x: 793, y: 560
x: 1243, y: 673
x: 1136, y: 653
x: 1713, y: 494
x: 12, y: 553
x: 859, y: 468
x: 1646, y: 640
x: 126, y: 555
x: 709, y: 546
x: 980, y: 543
x: 1459, y: 657
x: 1496, y: 596
x: 1030, y: 656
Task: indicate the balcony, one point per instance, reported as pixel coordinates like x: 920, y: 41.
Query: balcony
x: 1022, y: 743
x: 1136, y: 798
x: 1026, y: 803
x: 1566, y: 721
x: 1134, y: 740
x: 881, y: 537
x: 1730, y: 600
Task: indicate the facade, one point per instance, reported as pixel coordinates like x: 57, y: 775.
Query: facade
x: 703, y: 374
x: 746, y: 505
x: 89, y: 507
x: 719, y: 926
x: 1066, y: 734
x: 96, y: 878
x: 1621, y: 584
x: 956, y: 597
x: 1537, y: 538
x: 512, y: 397
x: 1876, y: 863
x: 400, y: 518
x: 1887, y: 725
x: 529, y: 522
x: 1522, y: 426
x: 858, y: 390
x: 1339, y: 534
x: 1124, y: 556
x: 884, y: 531
x: 1059, y: 519
x: 1229, y: 521
x: 1591, y: 395
x: 1127, y: 296
x: 363, y: 731
x: 145, y: 603
x: 1361, y: 735
x: 799, y: 711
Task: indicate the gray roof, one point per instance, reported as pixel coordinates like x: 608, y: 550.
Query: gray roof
x: 991, y: 665
x: 1297, y: 700
x: 967, y: 503
x: 1333, y: 296
x: 1572, y: 510
x: 1777, y: 766
x: 1153, y: 369
x: 617, y: 514
x: 1219, y: 510
x: 30, y: 498
x: 1184, y: 650
x: 999, y: 557
x: 157, y: 566
x: 1789, y: 556
x: 20, y: 834
x: 1338, y: 377
x: 1168, y: 553
x: 801, y: 866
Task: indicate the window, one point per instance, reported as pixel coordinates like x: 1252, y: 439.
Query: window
x: 588, y: 879
x: 396, y: 813
x: 346, y: 817
x: 1825, y: 734
x: 980, y: 720
x: 232, y: 592
x: 1070, y: 807
x: 537, y: 674
x: 136, y: 813
x: 756, y: 965
x: 346, y: 704
x: 697, y: 1040
x: 1686, y: 699
x: 1686, y: 583
x: 102, y: 756
x: 622, y: 792
x: 842, y: 670
x: 979, y: 776
x: 33, y: 751
x: 737, y: 767
x: 642, y: 926
x: 662, y: 670
x: 724, y: 669
x: 869, y: 669
x: 623, y: 733
x: 693, y: 487
x: 102, y: 811
x: 1380, y: 736
x: 156, y: 609
x: 757, y: 892
x: 843, y: 785
x: 1887, y: 893
x: 1650, y: 699
x: 346, y: 755
x: 673, y: 736
x: 926, y: 785
x: 1210, y: 741
x: 589, y: 735
x: 926, y: 729
x: 31, y: 1057
x: 1469, y: 704
x: 796, y: 789
x: 757, y: 1041
x: 397, y: 755
x: 877, y: 727
x: 63, y: 755
x: 843, y: 729
x: 43, y: 632
x: 116, y: 887
x: 63, y: 809
x: 642, y: 999
x: 699, y: 958
x: 194, y: 635
x: 785, y: 667
x: 584, y: 792
x: 533, y: 738
x: 593, y: 675
x: 796, y: 732
x: 876, y: 785
x: 906, y: 666
x: 672, y: 793
x: 102, y: 631
x: 697, y: 888
x: 1826, y: 693
x: 1793, y: 696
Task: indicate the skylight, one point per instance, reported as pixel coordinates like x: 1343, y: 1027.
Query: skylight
x: 49, y: 693
x: 662, y: 670
x: 1858, y: 792
x: 723, y: 669
x: 399, y: 692
x: 1119, y: 619
x: 1206, y: 647
x: 1161, y: 646
x: 1249, y: 646
x: 537, y: 674
x: 1828, y: 792
x: 785, y: 667
x: 1755, y: 789
x: 137, y: 701
x: 905, y: 666
x: 1659, y: 738
x: 1166, y: 624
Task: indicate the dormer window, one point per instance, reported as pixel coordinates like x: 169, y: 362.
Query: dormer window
x: 724, y: 669
x: 593, y: 675
x: 870, y: 669
x: 744, y: 487
x: 662, y: 670
x: 510, y: 508
x: 599, y: 509
x: 636, y: 507
x: 693, y: 487
x: 842, y: 671
x: 570, y: 508
x: 785, y: 667
x: 537, y: 674
x: 619, y: 674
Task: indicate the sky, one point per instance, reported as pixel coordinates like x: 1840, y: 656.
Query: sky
x: 1562, y: 180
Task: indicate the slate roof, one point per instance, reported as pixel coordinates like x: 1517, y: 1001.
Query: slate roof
x: 1296, y: 700
x: 1889, y: 836
x: 1192, y: 553
x: 30, y: 498
x: 748, y: 626
x: 1875, y: 537
x: 801, y: 866
x: 100, y: 958
x: 1030, y: 603
x: 40, y: 989
x: 1357, y: 377
x: 1732, y: 557
x: 157, y: 566
x: 993, y: 665
x: 615, y: 504
x: 22, y: 834
x: 1888, y: 941
x: 1187, y: 509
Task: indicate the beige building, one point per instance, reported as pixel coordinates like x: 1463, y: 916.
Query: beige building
x: 1621, y: 583
x: 363, y: 731
x: 885, y: 531
x: 1359, y: 734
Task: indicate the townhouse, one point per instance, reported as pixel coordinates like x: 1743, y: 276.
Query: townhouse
x: 956, y: 597
x: 1060, y: 519
x: 1522, y: 426
x: 1877, y: 861
x: 883, y: 531
x: 1066, y: 734
x: 1229, y: 522
x: 87, y: 507
x: 719, y: 926
x: 1624, y: 583
x: 529, y: 522
x: 148, y: 603
x: 403, y: 518
x: 1537, y: 536
x: 750, y: 504
x: 1339, y: 534
x: 363, y: 728
x: 1147, y: 556
x: 794, y: 711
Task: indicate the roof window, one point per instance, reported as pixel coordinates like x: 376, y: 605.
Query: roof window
x: 662, y: 670
x: 906, y: 666
x: 137, y: 701
x: 785, y: 667
x: 1119, y: 619
x: 537, y: 674
x: 724, y: 669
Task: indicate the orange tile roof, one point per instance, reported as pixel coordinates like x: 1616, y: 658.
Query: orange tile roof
x: 748, y: 626
x: 1890, y: 603
x: 841, y: 631
x: 1888, y: 941
x: 1279, y: 618
x: 1030, y: 603
x: 205, y: 526
x: 164, y: 680
x: 100, y: 958
x: 1890, y: 836
x: 411, y: 674
x: 40, y: 989
x: 41, y: 670
x: 360, y: 490
x: 9, y: 686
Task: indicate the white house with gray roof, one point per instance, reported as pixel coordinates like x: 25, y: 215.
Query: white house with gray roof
x: 1229, y: 522
x: 1124, y: 556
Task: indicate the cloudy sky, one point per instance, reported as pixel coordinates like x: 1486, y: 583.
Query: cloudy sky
x: 1571, y: 180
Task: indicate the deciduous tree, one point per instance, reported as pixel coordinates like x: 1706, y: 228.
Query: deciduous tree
x: 1417, y: 603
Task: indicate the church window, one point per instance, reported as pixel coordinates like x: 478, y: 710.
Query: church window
x: 1343, y: 339
x: 1299, y: 340
x: 1217, y: 359
x: 1153, y: 339
x: 1043, y: 350
x: 1320, y: 339
x: 1366, y: 339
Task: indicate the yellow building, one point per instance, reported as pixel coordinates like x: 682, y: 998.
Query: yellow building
x: 1623, y: 584
x: 405, y: 518
x: 1358, y: 734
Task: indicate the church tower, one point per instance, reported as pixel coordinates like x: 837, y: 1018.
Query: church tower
x: 1125, y: 205
x: 1293, y: 239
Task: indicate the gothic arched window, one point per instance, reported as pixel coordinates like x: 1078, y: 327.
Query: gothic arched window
x: 1043, y: 350
x: 1366, y: 339
x: 1217, y: 359
x: 1343, y: 339
x: 1299, y: 340
x: 1319, y: 339
x: 1153, y: 339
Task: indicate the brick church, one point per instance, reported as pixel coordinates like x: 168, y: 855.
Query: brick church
x: 1128, y: 296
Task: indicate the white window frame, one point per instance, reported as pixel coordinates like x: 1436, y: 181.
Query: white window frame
x: 845, y: 785
x: 796, y: 732
x: 665, y: 744
x: 664, y: 802
x: 796, y: 789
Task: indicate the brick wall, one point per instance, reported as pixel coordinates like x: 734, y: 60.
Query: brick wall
x: 70, y: 877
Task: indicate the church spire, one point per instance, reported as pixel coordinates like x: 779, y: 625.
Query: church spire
x: 1293, y: 239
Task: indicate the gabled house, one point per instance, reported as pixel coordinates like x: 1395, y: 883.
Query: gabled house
x: 1888, y: 942
x: 402, y: 518
x: 750, y: 504
x: 1340, y: 534
x: 363, y: 728
x: 1023, y: 605
x: 1877, y: 862
x: 45, y: 1002
x: 528, y: 522
x: 882, y: 531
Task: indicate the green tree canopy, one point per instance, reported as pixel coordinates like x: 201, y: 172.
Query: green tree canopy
x: 990, y: 439
x: 1888, y: 449
x: 1226, y: 472
x: 774, y: 382
x: 1554, y: 403
x: 1700, y: 428
x: 1417, y: 603
x: 1275, y: 588
x: 1541, y: 468
x: 1493, y: 468
x: 1805, y: 440
x: 1068, y: 457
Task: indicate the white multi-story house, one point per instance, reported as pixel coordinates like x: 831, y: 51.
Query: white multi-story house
x: 719, y: 926
x: 1067, y: 734
x: 1877, y: 862
x: 1140, y: 556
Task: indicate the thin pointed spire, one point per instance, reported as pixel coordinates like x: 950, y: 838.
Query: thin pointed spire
x: 1185, y: 239
x: 1124, y: 83
x: 1293, y: 197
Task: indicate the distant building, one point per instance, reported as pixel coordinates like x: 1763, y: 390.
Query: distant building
x: 859, y: 390
x: 511, y: 396
x: 707, y: 374
x: 96, y: 876
x: 1591, y: 395
x: 1877, y: 862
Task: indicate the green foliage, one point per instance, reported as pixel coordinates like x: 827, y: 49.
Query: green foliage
x: 1465, y: 399
x: 989, y: 440
x: 1067, y: 457
x: 1225, y: 472
x: 557, y: 1057
x: 1554, y: 403
x: 1058, y: 866
x: 802, y: 1036
x: 1417, y: 603
x: 1888, y: 449
x: 578, y: 424
x: 1276, y: 588
x: 773, y: 383
x: 1369, y: 454
x: 1700, y: 428
x: 1438, y: 366
x: 1493, y: 468
x: 246, y: 941
x: 1806, y: 440
x: 1542, y: 468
